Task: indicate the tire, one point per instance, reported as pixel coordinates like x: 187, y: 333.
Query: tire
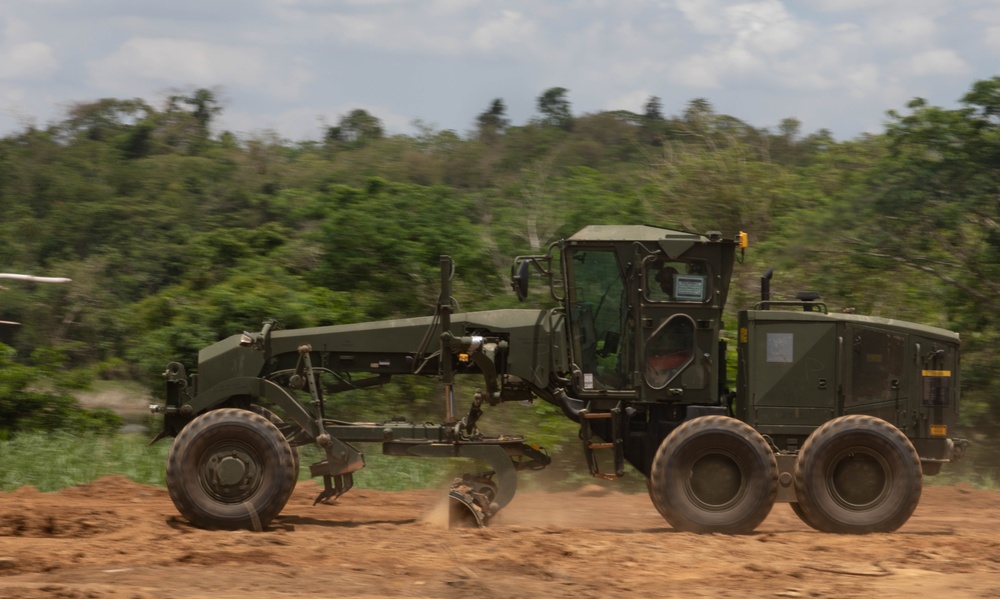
x: 714, y: 474
x: 278, y: 422
x: 802, y: 516
x: 857, y: 474
x: 230, y: 469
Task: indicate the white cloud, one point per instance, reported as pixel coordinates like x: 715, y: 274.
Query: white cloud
x: 22, y: 54
x: 903, y: 31
x: 765, y: 26
x: 705, y: 15
x: 742, y: 40
x: 937, y: 62
x: 992, y: 36
x: 862, y: 80
x: 509, y: 30
x: 452, y: 6
x: 868, y: 6
x: 449, y: 28
x: 846, y: 34
x: 633, y: 101
x: 165, y: 61
x: 838, y: 64
x: 324, y: 5
x: 389, y: 32
x: 695, y: 71
x: 29, y: 60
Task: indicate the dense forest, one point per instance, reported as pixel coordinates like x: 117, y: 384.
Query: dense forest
x: 176, y: 235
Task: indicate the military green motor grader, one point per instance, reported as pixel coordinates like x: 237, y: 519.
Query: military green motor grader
x: 839, y: 414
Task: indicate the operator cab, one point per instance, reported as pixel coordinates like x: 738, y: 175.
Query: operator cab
x: 643, y: 307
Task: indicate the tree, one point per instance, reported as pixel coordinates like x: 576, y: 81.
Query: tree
x: 784, y: 146
x: 204, y: 107
x: 184, y: 123
x: 104, y: 119
x: 699, y: 114
x: 653, y: 127
x: 493, y: 120
x: 790, y: 129
x: 925, y: 204
x: 555, y: 108
x: 24, y: 408
x: 653, y: 109
x: 356, y: 129
x: 933, y: 198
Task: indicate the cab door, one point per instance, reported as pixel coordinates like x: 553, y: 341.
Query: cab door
x: 678, y: 329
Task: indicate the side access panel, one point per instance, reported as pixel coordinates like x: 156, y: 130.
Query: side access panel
x: 788, y: 367
x: 875, y: 371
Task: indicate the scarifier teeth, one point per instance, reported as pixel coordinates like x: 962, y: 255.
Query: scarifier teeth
x: 463, y: 511
x: 471, y: 501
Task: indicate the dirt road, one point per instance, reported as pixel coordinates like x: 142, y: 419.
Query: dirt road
x: 116, y: 538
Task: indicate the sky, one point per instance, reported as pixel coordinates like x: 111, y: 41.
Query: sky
x: 295, y: 67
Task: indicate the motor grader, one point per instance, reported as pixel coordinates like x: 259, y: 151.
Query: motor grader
x: 839, y: 414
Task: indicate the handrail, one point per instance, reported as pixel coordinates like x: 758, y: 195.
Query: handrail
x: 805, y: 305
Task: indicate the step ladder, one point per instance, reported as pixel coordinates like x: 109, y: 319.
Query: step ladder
x: 590, y: 446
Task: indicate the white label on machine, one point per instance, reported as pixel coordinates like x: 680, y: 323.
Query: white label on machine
x: 588, y: 380
x: 780, y: 347
x: 689, y: 288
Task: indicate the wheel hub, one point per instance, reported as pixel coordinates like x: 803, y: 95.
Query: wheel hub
x: 230, y: 473
x: 859, y: 480
x: 716, y: 480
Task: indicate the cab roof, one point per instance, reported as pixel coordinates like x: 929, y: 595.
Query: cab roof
x: 635, y: 233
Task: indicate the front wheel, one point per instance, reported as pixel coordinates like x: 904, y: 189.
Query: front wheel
x: 230, y: 469
x: 278, y: 422
x: 714, y: 474
x: 857, y: 474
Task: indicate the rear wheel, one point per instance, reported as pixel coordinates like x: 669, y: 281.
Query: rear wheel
x: 802, y: 516
x: 230, y: 469
x: 857, y: 474
x: 714, y: 474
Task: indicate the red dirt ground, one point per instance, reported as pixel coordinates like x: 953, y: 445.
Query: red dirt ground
x: 115, y: 538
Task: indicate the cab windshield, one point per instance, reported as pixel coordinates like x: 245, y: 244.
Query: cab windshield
x: 598, y: 312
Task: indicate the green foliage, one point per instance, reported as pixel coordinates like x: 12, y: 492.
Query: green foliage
x: 555, y: 108
x: 356, y: 129
x: 24, y: 407
x: 492, y: 121
x: 391, y: 265
x: 175, y: 239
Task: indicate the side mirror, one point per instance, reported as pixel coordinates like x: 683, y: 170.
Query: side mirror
x: 519, y: 281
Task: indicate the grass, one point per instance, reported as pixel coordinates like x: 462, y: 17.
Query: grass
x: 56, y: 460
x: 53, y: 461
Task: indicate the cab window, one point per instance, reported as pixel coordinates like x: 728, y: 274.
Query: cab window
x: 677, y: 281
